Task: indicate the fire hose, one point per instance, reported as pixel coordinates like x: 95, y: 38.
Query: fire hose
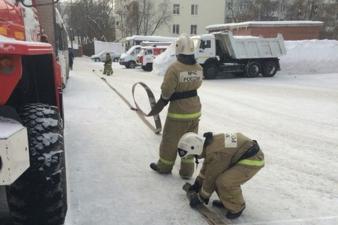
x: 142, y: 115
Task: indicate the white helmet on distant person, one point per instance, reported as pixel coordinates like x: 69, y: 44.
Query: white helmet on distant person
x: 185, y: 45
x: 190, y: 144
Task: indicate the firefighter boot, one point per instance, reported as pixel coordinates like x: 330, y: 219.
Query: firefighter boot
x: 218, y: 204
x: 160, y: 169
x: 231, y: 215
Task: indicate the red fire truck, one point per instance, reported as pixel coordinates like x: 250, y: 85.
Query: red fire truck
x: 32, y: 156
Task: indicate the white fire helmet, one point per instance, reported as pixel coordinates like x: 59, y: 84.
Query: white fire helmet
x: 190, y: 144
x: 185, y: 45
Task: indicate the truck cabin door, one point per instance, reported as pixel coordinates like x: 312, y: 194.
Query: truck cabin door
x: 206, y: 48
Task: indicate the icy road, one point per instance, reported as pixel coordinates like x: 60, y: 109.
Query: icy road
x: 293, y: 117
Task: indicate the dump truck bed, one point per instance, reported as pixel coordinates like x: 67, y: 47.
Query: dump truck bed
x: 252, y: 47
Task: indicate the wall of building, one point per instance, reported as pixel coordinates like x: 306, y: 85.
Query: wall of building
x: 209, y: 12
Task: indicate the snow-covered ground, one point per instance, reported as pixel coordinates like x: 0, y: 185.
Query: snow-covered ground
x: 293, y: 117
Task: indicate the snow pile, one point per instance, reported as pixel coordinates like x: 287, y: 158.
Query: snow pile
x: 8, y: 127
x: 265, y: 24
x: 32, y: 26
x: 310, y: 56
x: 303, y: 57
x: 163, y: 61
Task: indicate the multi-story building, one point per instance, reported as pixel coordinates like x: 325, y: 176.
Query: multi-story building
x: 184, y: 16
x: 192, y: 16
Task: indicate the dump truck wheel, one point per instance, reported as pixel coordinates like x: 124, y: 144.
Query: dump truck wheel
x: 148, y: 67
x: 252, y: 69
x: 270, y: 68
x: 210, y: 71
x: 39, y: 196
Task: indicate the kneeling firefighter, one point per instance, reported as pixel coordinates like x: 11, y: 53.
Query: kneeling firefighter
x: 179, y: 87
x: 230, y: 161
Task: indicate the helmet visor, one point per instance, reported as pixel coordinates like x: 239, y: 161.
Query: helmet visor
x: 181, y: 152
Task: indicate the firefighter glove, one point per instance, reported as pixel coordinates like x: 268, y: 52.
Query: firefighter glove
x: 160, y: 104
x: 196, y: 187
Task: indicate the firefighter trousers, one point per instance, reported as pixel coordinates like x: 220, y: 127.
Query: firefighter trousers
x: 228, y: 186
x: 172, y: 132
x: 108, y: 70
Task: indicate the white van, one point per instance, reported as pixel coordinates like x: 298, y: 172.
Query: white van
x: 129, y: 58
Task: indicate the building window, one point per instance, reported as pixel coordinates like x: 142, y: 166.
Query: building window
x: 193, y: 29
x: 176, y: 9
x: 176, y: 28
x: 229, y: 6
x: 194, y: 9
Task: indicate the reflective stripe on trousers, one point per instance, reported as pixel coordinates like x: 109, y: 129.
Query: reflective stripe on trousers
x: 184, y: 116
x: 167, y: 162
x: 249, y: 162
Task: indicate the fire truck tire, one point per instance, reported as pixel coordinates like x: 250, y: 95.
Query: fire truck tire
x: 39, y: 196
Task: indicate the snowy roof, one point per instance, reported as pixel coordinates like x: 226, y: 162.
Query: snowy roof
x: 8, y: 40
x: 210, y: 36
x: 292, y: 23
x: 151, y: 38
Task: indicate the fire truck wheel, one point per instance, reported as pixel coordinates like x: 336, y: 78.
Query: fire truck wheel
x: 39, y: 196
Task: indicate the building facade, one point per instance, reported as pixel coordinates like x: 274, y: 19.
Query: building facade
x: 184, y: 16
x: 192, y: 16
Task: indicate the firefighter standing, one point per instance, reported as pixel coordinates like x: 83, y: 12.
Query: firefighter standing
x: 230, y: 161
x: 108, y: 70
x: 179, y: 86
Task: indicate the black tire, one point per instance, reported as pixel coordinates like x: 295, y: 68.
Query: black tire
x: 210, y: 70
x: 252, y: 69
x: 132, y: 64
x: 148, y: 67
x: 39, y: 196
x: 270, y: 68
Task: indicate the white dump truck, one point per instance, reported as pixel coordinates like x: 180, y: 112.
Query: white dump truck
x: 222, y: 53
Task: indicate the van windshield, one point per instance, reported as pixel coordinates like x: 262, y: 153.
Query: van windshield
x: 131, y: 50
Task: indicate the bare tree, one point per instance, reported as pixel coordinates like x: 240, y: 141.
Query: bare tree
x: 142, y: 17
x: 91, y: 19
